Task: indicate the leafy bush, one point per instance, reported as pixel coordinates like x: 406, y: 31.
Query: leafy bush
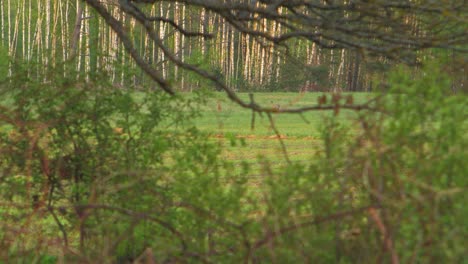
x: 73, y: 149
x: 409, y: 163
x: 94, y: 173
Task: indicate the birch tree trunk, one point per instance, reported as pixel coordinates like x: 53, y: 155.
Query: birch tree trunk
x: 176, y: 38
x: 29, y: 52
x: 47, y: 34
x: 339, y: 74
x: 74, y: 44
x: 9, y: 23
x: 2, y: 21
x: 93, y: 40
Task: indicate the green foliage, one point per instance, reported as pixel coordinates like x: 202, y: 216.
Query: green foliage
x: 411, y: 163
x: 203, y: 62
x: 294, y: 75
x: 4, y: 62
x: 430, y: 127
x: 69, y: 144
x: 114, y: 175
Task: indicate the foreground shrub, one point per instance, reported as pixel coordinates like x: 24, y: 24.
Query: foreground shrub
x: 94, y: 170
x: 91, y: 173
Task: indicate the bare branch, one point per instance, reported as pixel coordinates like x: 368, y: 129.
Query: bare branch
x: 371, y: 28
x: 119, y: 29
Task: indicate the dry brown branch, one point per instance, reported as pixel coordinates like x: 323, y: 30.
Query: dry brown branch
x: 388, y: 242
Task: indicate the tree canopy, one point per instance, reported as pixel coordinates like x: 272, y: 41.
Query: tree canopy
x: 395, y: 30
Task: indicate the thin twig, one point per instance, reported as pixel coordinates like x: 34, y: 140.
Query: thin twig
x: 278, y: 135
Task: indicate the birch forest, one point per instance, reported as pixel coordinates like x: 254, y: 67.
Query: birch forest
x: 49, y: 33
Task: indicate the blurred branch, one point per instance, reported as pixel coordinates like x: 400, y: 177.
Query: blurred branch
x: 318, y: 220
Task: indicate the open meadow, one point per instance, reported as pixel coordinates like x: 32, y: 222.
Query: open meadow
x: 222, y: 116
x: 231, y: 126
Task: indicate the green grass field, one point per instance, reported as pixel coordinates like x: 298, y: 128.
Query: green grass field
x: 226, y: 121
x: 221, y: 116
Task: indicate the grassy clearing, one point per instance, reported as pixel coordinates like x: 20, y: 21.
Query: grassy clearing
x: 230, y: 125
x: 221, y: 116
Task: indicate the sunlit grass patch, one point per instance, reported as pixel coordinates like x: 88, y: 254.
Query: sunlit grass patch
x: 221, y: 116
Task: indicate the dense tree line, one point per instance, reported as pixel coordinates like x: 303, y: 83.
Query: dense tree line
x: 252, y: 45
